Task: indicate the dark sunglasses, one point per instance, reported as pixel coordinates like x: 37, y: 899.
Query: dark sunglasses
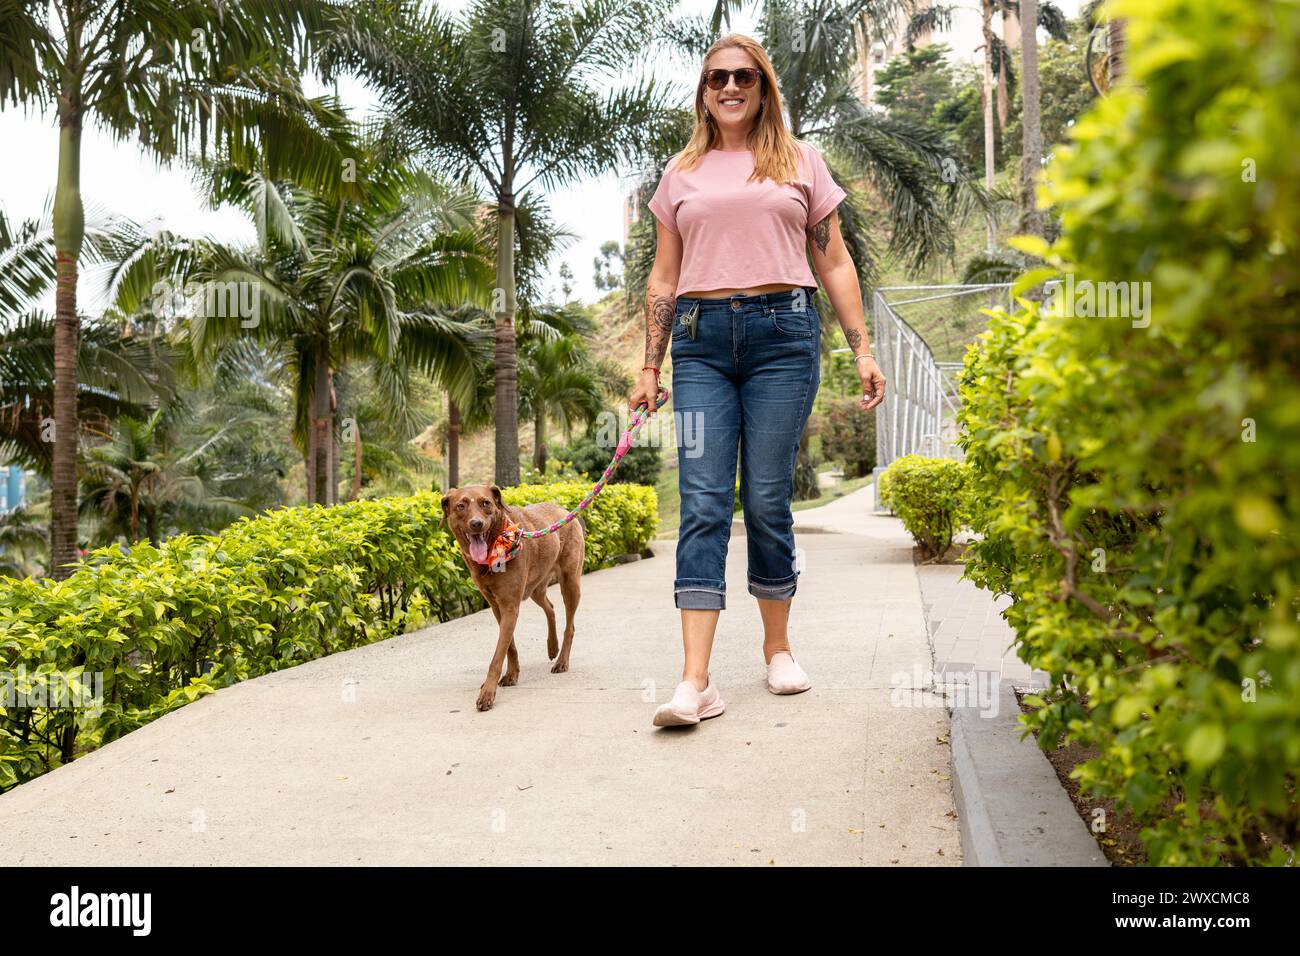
x: 746, y: 77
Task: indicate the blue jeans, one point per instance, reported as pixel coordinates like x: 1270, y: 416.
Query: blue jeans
x: 743, y: 386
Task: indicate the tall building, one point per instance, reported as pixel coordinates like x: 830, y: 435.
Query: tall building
x: 12, y: 490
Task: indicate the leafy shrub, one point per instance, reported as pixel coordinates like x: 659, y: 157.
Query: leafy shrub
x: 558, y: 471
x: 1137, y: 474
x: 929, y: 497
x: 640, y: 466
x: 164, y: 625
x: 849, y: 437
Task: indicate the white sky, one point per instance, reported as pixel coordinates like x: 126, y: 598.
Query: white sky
x: 123, y: 179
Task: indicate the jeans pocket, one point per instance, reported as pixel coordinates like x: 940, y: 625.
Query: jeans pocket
x: 796, y: 323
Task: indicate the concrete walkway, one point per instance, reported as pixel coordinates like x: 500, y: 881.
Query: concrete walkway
x: 377, y: 756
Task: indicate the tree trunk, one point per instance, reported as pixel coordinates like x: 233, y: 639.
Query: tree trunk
x: 453, y: 444
x: 539, y: 443
x: 321, y: 432
x: 1032, y: 219
x: 1004, y: 107
x: 356, y: 460
x: 135, y: 514
x: 1010, y: 40
x: 987, y: 7
x: 1117, y: 48
x: 332, y: 492
x: 507, y: 367
x: 69, y: 230
x: 335, y: 449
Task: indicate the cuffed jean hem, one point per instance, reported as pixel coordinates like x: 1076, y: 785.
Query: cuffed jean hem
x: 773, y: 591
x: 700, y: 599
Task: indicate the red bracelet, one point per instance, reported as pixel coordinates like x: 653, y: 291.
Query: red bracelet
x: 656, y: 371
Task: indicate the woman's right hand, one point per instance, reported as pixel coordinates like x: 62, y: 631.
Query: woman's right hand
x: 646, y: 391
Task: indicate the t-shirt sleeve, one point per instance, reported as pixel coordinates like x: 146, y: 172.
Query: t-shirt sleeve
x: 661, y: 203
x: 825, y: 193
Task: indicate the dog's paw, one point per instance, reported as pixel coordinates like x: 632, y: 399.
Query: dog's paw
x: 508, y: 679
x: 561, y: 666
x: 486, y: 698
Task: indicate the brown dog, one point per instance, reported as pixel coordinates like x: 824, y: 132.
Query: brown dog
x: 476, y: 515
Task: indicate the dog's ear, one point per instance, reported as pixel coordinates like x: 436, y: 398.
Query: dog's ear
x: 446, y: 504
x: 496, y: 494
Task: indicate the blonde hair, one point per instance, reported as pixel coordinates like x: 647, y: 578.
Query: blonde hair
x: 776, y: 151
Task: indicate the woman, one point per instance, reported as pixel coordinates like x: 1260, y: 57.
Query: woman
x: 731, y: 289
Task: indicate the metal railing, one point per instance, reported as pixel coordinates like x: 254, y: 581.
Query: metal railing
x: 919, y: 413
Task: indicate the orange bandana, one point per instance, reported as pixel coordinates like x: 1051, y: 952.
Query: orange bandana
x: 498, y: 549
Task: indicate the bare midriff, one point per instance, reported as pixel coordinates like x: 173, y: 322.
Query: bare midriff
x: 727, y: 293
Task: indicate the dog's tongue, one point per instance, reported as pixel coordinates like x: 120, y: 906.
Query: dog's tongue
x: 478, y: 548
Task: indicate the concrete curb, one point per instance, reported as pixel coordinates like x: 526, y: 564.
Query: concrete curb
x: 1012, y: 809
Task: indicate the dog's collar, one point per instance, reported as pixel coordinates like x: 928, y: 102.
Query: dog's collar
x: 504, y: 547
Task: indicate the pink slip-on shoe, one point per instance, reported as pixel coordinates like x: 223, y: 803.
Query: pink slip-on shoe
x: 785, y: 676
x: 690, y: 706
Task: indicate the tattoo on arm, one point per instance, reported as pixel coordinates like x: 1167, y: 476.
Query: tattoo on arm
x: 661, y: 311
x: 821, y: 233
x: 854, y: 337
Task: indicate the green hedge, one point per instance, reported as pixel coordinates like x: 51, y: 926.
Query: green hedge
x: 849, y: 436
x: 1137, y: 473
x: 929, y: 495
x: 641, y: 465
x: 166, y: 625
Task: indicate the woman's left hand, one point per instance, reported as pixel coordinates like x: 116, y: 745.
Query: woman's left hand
x: 873, y: 383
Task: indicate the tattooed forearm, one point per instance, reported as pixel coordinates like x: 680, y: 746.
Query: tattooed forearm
x: 855, y: 339
x: 661, y: 310
x: 821, y: 233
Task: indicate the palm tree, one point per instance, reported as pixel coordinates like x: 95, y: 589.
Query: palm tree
x: 1032, y: 220
x: 557, y: 379
x: 996, y: 62
x: 503, y: 94
x: 116, y: 374
x: 1114, y: 31
x: 144, y: 478
x: 176, y: 76
x: 338, y: 283
x: 22, y: 539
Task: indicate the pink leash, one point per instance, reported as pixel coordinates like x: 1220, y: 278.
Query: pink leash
x: 639, y: 418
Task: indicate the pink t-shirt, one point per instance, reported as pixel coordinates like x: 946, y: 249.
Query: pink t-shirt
x: 737, y: 234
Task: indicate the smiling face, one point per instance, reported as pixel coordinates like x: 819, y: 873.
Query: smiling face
x: 475, y: 514
x: 732, y: 108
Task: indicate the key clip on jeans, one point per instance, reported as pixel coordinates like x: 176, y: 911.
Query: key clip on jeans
x: 691, y: 319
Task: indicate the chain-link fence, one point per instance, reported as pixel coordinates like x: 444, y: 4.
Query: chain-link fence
x: 920, y: 334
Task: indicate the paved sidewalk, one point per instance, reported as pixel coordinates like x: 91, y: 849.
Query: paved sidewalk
x: 968, y: 630
x: 377, y: 756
